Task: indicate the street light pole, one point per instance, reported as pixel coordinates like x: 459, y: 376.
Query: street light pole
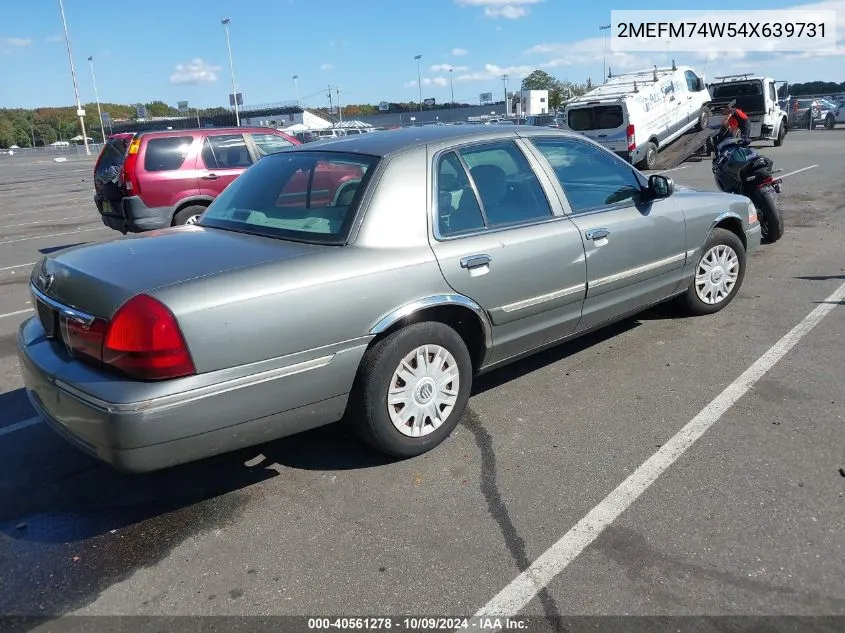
x: 505, y: 81
x: 97, y: 97
x: 296, y: 89
x: 419, y: 79
x: 225, y: 22
x: 452, y: 87
x: 79, y: 111
x: 606, y: 29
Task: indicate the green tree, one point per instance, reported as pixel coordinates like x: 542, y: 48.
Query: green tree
x: 540, y: 80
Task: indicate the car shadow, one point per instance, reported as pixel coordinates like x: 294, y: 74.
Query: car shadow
x: 53, y: 249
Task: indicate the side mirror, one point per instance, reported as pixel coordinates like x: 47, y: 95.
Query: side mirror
x: 660, y: 186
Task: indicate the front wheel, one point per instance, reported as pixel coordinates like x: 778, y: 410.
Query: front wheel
x: 718, y: 274
x: 829, y: 122
x: 411, y: 389
x: 770, y: 214
x: 650, y: 159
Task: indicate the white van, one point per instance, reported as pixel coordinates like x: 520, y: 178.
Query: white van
x: 637, y: 114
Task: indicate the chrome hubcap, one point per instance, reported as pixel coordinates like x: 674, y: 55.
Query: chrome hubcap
x: 423, y: 390
x: 717, y: 273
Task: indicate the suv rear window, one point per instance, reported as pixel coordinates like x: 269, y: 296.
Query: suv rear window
x: 596, y: 118
x: 166, y: 154
x: 302, y: 196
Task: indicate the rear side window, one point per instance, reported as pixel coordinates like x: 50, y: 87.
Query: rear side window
x: 166, y: 154
x: 225, y: 151
x: 303, y: 196
x: 596, y: 118
x: 270, y: 143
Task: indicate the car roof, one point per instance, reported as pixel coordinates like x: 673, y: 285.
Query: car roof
x: 209, y: 130
x: 388, y: 142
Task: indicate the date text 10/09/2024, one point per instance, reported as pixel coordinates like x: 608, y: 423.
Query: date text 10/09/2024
x: 486, y: 624
x: 683, y: 30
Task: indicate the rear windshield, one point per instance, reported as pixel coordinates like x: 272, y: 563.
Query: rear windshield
x: 111, y: 158
x: 547, y: 119
x: 303, y: 196
x: 596, y: 118
x: 752, y: 88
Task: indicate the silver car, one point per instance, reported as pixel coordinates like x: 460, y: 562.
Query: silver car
x: 366, y: 279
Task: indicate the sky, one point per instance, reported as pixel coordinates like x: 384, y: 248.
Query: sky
x: 176, y: 51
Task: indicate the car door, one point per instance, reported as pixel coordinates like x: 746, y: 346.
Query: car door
x: 635, y: 250
x: 223, y: 158
x: 500, y: 241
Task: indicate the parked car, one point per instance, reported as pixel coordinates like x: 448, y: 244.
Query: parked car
x: 166, y: 178
x: 297, y: 301
x: 543, y: 120
x: 822, y: 112
x: 639, y: 113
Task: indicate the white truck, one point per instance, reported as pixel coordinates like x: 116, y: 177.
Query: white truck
x: 755, y: 95
x: 637, y: 114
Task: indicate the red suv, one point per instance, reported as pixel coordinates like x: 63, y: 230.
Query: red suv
x: 160, y: 179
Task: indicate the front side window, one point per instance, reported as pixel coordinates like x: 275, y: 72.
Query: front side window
x: 225, y: 151
x: 270, y: 143
x: 167, y: 153
x: 590, y: 177
x: 692, y: 81
x: 304, y: 196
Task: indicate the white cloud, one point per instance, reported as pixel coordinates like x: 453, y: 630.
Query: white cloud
x: 439, y: 82
x: 326, y: 67
x: 15, y: 42
x: 508, y: 9
x: 459, y: 52
x: 492, y: 72
x: 54, y: 38
x: 197, y: 71
x: 445, y: 68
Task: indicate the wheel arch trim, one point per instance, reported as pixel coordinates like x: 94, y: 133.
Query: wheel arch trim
x: 432, y: 301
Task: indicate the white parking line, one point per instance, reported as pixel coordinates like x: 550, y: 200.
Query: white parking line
x: 17, y: 426
x: 797, y: 171
x: 521, y: 591
x: 666, y: 171
x: 17, y: 266
x: 48, y: 220
x: 41, y: 237
x: 11, y: 314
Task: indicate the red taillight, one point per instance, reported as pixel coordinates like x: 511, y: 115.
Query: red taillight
x: 127, y: 174
x: 144, y: 341
x: 632, y: 139
x: 769, y: 180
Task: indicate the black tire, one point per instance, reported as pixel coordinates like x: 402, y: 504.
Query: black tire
x: 367, y: 411
x: 690, y: 301
x: 187, y: 213
x: 650, y: 159
x: 703, y: 120
x: 769, y: 214
x: 781, y: 134
x: 829, y: 122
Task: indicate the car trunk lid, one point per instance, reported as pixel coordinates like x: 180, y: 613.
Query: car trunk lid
x: 97, y: 279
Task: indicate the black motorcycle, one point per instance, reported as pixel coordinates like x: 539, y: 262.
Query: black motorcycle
x: 738, y: 169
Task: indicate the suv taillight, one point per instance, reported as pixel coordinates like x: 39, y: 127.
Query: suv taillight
x: 127, y: 174
x: 632, y: 139
x: 143, y: 340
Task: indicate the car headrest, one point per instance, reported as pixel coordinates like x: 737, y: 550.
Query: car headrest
x: 491, y: 183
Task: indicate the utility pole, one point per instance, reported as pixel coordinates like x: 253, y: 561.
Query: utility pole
x: 505, y: 82
x: 296, y: 90
x: 339, y: 107
x: 331, y: 106
x: 606, y: 29
x: 97, y: 97
x: 225, y: 22
x: 419, y: 79
x: 79, y: 111
x: 452, y: 87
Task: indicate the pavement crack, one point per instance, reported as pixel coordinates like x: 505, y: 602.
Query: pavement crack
x: 498, y: 510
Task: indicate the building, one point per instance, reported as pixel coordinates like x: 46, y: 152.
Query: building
x: 302, y: 120
x: 533, y: 102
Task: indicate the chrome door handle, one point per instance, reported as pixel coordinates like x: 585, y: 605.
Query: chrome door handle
x: 597, y: 234
x: 475, y: 261
x: 211, y: 177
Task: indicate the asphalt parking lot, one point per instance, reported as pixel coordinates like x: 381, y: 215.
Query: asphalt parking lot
x: 749, y: 519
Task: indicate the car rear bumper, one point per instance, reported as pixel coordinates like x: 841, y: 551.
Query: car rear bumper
x: 131, y: 215
x: 152, y: 432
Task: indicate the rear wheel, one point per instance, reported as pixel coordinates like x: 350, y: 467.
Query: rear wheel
x: 650, y: 159
x: 411, y: 389
x: 188, y: 215
x: 781, y: 134
x: 769, y: 214
x: 829, y: 122
x: 703, y: 120
x: 718, y: 274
